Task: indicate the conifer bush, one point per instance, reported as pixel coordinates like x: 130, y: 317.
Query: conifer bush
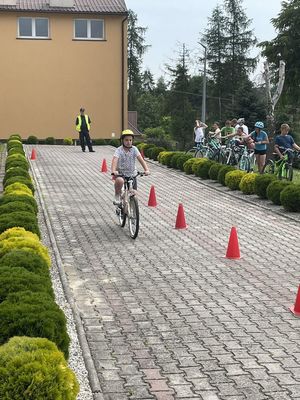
x: 50, y: 140
x: 247, y: 183
x: 165, y: 156
x: 182, y: 159
x: 16, y: 206
x: 188, y: 165
x: 290, y: 198
x: 27, y: 259
x: 24, y: 243
x: 203, y: 169
x: 17, y: 163
x: 18, y: 279
x: 223, y: 171
x: 147, y: 149
x: 22, y: 219
x: 20, y: 179
x: 233, y: 179
x: 69, y: 142
x: 15, y: 171
x: 154, y: 152
x: 17, y: 144
x: 15, y: 150
x: 15, y: 136
x: 34, y: 315
x: 174, y: 158
x: 261, y: 184
x: 214, y: 170
x: 23, y: 197
x: 274, y: 190
x: 196, y: 164
x: 17, y: 187
x: 16, y: 157
x: 32, y: 139
x: 17, y: 231
x: 33, y: 368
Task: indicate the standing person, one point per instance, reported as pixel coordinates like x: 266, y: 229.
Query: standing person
x: 199, y: 132
x: 123, y: 163
x: 261, y: 140
x: 83, y: 125
x: 216, y: 133
x: 226, y: 130
x: 241, y: 123
x: 284, y: 142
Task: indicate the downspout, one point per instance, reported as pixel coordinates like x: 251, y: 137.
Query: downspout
x: 123, y: 74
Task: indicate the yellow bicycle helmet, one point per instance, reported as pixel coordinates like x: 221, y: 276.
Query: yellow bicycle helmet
x: 127, y: 132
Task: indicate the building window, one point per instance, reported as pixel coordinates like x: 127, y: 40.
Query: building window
x: 33, y: 28
x: 91, y: 29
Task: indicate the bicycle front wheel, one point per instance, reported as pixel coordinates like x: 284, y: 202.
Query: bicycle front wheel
x: 133, y: 217
x: 269, y: 167
x: 286, y: 172
x: 244, y: 164
x: 192, y: 151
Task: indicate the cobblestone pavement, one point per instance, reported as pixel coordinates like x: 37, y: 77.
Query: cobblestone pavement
x: 167, y: 316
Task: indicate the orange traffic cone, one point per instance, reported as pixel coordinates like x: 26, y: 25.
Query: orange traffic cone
x: 104, y: 166
x: 295, y: 309
x: 180, y: 220
x: 233, y: 250
x: 33, y: 155
x: 152, y: 198
x: 142, y: 153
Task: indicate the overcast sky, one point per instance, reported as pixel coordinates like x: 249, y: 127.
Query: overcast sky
x: 171, y: 22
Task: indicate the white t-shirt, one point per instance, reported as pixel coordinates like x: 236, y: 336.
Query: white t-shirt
x: 199, y: 134
x: 245, y: 128
x: 126, y: 160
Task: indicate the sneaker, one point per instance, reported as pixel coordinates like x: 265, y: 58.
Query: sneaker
x: 92, y: 151
x: 117, y: 203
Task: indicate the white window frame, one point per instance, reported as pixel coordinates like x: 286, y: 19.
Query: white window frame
x: 33, y: 25
x: 88, y: 29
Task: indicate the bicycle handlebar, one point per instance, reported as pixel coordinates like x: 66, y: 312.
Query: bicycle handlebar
x: 129, y: 177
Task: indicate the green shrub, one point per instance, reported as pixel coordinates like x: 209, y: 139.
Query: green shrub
x: 247, y: 183
x: 32, y: 139
x: 222, y: 173
x: 15, y: 171
x: 214, y: 170
x: 17, y: 187
x: 188, y: 165
x: 274, y: 190
x: 147, y: 149
x: 24, y: 243
x: 69, y: 141
x: 17, y: 163
x: 16, y: 231
x: 203, y: 169
x: 22, y: 219
x: 15, y: 136
x: 20, y: 179
x: 15, y: 150
x: 17, y: 279
x: 33, y: 368
x: 174, y: 158
x: 233, y: 179
x: 50, y: 140
x: 261, y: 184
x: 14, y: 143
x: 290, y: 198
x: 16, y: 206
x: 154, y: 152
x: 182, y: 159
x: 27, y: 259
x: 141, y: 146
x: 164, y: 157
x: 114, y: 142
x: 34, y: 315
x: 196, y: 164
x: 16, y: 157
x: 24, y: 198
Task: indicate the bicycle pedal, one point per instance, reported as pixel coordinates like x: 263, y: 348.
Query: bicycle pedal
x: 117, y: 203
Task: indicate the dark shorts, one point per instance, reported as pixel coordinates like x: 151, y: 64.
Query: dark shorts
x: 260, y: 152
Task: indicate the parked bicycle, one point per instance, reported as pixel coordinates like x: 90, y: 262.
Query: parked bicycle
x: 233, y: 153
x: 282, y: 168
x: 198, y: 151
x: 129, y: 207
x: 247, y: 160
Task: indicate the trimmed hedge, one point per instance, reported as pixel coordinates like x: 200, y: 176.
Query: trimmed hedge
x: 17, y: 187
x: 261, y: 184
x: 290, y: 198
x: 203, y: 169
x: 15, y: 171
x: 214, y: 170
x: 17, y: 163
x: 233, y: 179
x: 222, y: 173
x: 165, y: 156
x: 25, y: 258
x: 32, y: 139
x: 247, y: 183
x: 174, y: 158
x: 16, y: 231
x: 15, y: 150
x: 34, y: 315
x: 147, y: 149
x: 22, y: 219
x: 15, y: 136
x: 23, y: 197
x: 33, y: 368
x: 24, y: 243
x: 154, y: 152
x: 20, y: 179
x: 188, y: 165
x: 274, y: 190
x: 17, y: 279
x: 50, y: 140
x: 182, y: 159
x: 196, y: 164
x: 16, y: 206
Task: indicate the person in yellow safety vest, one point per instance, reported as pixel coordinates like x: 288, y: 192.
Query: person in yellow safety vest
x: 83, y: 125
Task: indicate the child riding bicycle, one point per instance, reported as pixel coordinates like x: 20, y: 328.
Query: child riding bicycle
x: 284, y: 143
x: 123, y: 163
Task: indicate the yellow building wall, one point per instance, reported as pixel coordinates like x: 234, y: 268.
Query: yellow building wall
x: 43, y: 83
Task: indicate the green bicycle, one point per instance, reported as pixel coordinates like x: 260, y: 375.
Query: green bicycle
x: 283, y: 168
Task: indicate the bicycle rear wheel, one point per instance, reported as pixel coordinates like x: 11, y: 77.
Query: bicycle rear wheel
x: 133, y: 217
x: 286, y: 172
x: 192, y: 151
x: 244, y: 164
x: 269, y: 167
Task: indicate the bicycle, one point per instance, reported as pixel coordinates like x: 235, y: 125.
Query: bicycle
x: 247, y: 160
x: 282, y: 168
x: 233, y: 153
x: 129, y: 207
x: 198, y: 151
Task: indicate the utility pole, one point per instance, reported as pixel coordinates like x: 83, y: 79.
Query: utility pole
x: 203, y: 117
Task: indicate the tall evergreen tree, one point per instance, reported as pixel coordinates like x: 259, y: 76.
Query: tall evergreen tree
x: 136, y: 50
